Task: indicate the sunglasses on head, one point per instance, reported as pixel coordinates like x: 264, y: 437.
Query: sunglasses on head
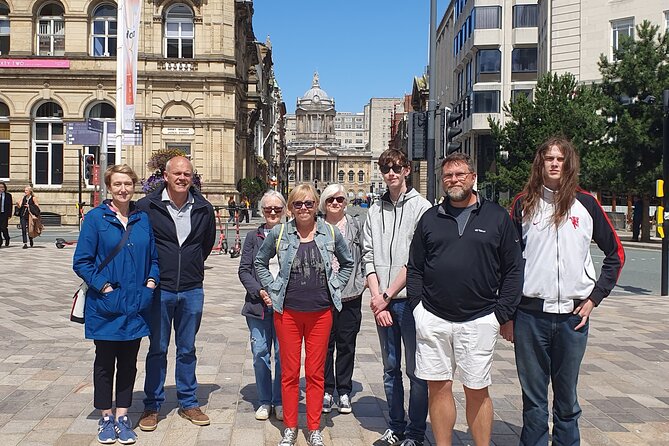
x: 275, y: 209
x: 300, y: 204
x: 333, y: 199
x: 396, y: 168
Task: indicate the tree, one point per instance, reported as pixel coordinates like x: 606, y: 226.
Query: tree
x: 633, y: 83
x: 560, y: 107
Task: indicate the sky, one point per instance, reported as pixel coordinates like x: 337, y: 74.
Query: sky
x: 360, y: 48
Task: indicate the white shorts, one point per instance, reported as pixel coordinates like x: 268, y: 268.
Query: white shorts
x: 444, y: 348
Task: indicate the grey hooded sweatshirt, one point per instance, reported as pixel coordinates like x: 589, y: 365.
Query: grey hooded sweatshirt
x: 387, y: 236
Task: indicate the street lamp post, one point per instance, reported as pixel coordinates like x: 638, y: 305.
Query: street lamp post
x: 665, y: 200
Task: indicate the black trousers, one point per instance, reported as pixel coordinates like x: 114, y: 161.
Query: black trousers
x: 4, y: 227
x: 24, y: 230
x: 121, y: 355
x: 345, y: 328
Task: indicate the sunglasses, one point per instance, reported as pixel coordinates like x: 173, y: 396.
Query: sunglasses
x: 395, y: 168
x: 331, y: 200
x: 300, y: 204
x: 275, y: 209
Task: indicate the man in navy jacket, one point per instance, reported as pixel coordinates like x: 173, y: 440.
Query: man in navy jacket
x: 185, y: 231
x: 464, y: 280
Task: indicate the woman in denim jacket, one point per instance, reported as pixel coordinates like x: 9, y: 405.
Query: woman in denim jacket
x: 302, y: 295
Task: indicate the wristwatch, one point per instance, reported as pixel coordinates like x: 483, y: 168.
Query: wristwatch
x: 386, y: 298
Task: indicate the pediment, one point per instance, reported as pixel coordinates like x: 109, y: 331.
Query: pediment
x: 320, y: 152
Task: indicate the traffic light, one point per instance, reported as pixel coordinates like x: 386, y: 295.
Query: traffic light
x: 89, y: 160
x: 451, y: 130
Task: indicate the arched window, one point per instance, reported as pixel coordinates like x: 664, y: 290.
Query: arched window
x: 361, y: 176
x: 179, y: 32
x: 4, y: 141
x: 103, y: 31
x: 341, y: 176
x: 4, y: 29
x: 350, y: 176
x: 48, y: 144
x: 51, y: 30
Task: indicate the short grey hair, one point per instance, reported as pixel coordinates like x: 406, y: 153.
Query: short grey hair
x: 331, y: 191
x: 273, y: 194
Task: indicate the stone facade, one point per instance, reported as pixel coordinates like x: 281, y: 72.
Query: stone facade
x: 193, y: 86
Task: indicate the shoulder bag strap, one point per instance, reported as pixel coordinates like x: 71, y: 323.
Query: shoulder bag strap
x: 117, y: 249
x: 278, y: 240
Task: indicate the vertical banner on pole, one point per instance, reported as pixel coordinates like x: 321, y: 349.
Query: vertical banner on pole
x: 129, y: 15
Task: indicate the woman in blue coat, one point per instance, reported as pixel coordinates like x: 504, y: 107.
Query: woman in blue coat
x: 119, y: 297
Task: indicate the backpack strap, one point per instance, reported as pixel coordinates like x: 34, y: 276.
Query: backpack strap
x: 278, y: 240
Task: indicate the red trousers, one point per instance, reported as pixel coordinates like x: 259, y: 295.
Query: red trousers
x: 314, y: 327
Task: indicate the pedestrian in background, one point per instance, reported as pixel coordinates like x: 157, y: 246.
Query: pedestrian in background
x: 244, y: 206
x: 302, y: 296
x: 259, y: 312
x: 27, y: 207
x: 637, y: 218
x: 6, y: 210
x: 556, y: 222
x: 459, y: 305
x: 116, y: 256
x: 345, y: 323
x: 388, y: 230
x: 185, y: 229
x: 232, y: 209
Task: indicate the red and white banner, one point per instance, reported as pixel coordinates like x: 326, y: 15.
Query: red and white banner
x: 129, y: 12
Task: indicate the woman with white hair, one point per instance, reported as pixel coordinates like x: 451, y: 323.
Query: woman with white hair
x: 259, y: 313
x: 345, y: 323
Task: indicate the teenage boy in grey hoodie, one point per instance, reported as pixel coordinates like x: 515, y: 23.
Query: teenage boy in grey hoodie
x: 386, y: 240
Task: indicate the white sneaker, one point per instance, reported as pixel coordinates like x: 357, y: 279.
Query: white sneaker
x: 289, y: 437
x: 278, y: 412
x: 345, y: 404
x: 263, y: 412
x: 315, y: 438
x: 327, y: 403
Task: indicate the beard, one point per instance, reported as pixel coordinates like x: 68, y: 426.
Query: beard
x: 458, y: 193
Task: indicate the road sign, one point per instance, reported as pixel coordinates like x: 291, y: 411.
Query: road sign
x: 95, y: 125
x: 78, y: 133
x: 129, y: 139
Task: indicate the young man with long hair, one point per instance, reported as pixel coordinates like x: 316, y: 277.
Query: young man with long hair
x: 556, y: 221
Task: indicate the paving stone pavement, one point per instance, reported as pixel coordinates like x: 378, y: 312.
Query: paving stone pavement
x: 46, y: 383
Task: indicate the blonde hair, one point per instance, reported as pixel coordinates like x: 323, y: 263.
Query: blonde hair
x: 301, y: 191
x: 120, y: 168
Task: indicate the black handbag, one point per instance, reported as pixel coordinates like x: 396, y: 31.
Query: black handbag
x: 17, y: 211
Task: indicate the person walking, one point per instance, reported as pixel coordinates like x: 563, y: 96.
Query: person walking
x: 117, y: 258
x: 27, y: 207
x: 345, y: 323
x: 232, y: 209
x: 185, y: 230
x: 556, y: 222
x: 6, y: 210
x: 302, y: 295
x: 244, y: 206
x: 464, y: 280
x: 260, y: 315
x: 388, y: 231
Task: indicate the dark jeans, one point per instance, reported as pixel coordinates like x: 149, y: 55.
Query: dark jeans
x: 24, y: 231
x: 121, y: 355
x: 345, y: 328
x: 4, y: 227
x: 391, y: 338
x: 549, y: 349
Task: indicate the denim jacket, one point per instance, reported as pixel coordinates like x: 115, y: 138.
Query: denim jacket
x: 290, y: 241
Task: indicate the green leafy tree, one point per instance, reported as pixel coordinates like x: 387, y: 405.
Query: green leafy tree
x: 633, y: 83
x: 253, y: 189
x: 560, y: 107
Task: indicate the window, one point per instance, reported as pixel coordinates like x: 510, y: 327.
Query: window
x: 48, y: 144
x: 4, y: 141
x: 103, y: 31
x: 361, y: 176
x: 105, y: 112
x: 340, y: 176
x: 621, y: 29
x: 51, y: 30
x: 524, y: 60
x: 486, y: 101
x: 350, y: 176
x: 487, y: 17
x: 525, y: 16
x: 468, y: 76
x: 4, y: 30
x: 488, y: 65
x: 179, y: 32
x: 515, y: 94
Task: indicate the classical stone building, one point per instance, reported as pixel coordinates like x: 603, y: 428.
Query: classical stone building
x: 202, y: 76
x: 315, y: 150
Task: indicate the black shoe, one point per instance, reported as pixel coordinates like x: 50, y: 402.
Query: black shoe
x: 25, y: 246
x: 31, y: 243
x: 389, y: 438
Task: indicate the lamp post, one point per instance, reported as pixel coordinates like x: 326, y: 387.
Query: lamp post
x: 665, y: 200
x: 431, y: 105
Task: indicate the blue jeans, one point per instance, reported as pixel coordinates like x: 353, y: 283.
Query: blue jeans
x: 263, y: 337
x: 184, y: 309
x: 391, y: 338
x: 549, y: 349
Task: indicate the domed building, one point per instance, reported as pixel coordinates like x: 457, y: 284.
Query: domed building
x: 315, y: 153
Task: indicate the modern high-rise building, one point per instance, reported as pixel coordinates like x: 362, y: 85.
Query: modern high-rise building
x: 204, y: 86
